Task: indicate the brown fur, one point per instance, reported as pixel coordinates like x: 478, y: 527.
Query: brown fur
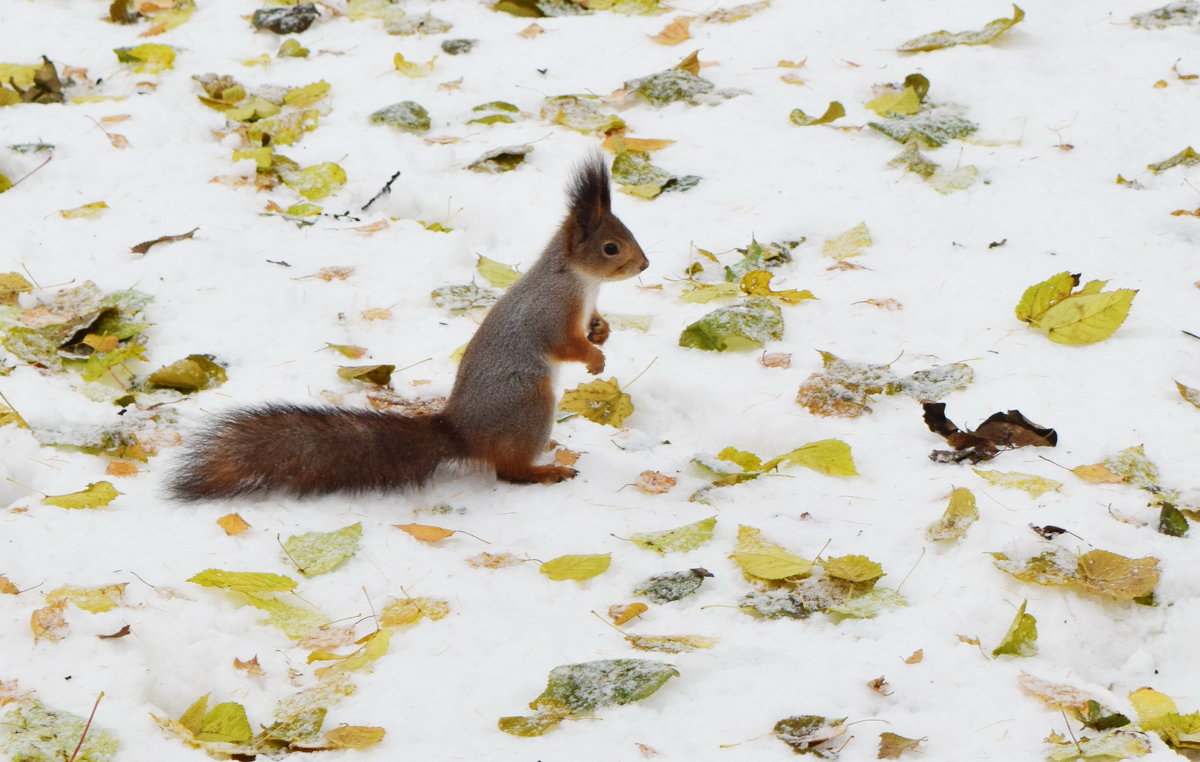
x: 499, y: 412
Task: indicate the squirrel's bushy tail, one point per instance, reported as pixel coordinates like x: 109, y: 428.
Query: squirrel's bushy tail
x: 313, y: 450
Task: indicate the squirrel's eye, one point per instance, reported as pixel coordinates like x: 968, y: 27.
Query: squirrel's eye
x: 611, y: 249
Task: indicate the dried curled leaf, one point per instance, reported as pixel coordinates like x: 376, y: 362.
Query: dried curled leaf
x: 1001, y: 431
x: 958, y: 517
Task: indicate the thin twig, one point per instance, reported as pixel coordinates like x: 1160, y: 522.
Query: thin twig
x: 86, y: 727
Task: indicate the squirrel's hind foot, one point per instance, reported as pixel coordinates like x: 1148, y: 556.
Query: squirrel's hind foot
x: 535, y: 474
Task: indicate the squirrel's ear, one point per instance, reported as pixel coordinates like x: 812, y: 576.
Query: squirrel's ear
x: 591, y: 199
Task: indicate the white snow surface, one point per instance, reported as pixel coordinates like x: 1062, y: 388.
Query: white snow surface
x: 1072, y: 73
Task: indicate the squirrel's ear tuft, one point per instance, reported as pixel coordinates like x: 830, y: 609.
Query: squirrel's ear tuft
x: 591, y: 198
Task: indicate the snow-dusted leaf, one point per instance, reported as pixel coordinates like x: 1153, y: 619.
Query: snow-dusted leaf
x: 678, y: 540
x: 191, y: 374
x: 1116, y: 576
x: 664, y: 588
x: 316, y: 553
x: 406, y: 611
x: 503, y: 159
x: 294, y: 621
x: 853, y: 568
x: 944, y: 39
x: 597, y: 684
x: 1036, y: 486
x: 848, y: 244
x: 408, y: 116
x: 599, y: 402
x: 740, y: 327
x: 811, y: 734
x: 93, y: 599
x: 32, y: 732
x: 892, y: 746
x: 671, y: 644
x: 933, y: 126
x: 960, y: 513
x: 868, y: 605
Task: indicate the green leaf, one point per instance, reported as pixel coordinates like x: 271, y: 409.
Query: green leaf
x: 664, y: 588
x: 740, y: 327
x: 581, y: 113
x: 811, y: 734
x: 225, y: 723
x: 32, y: 732
x: 960, y: 513
x: 100, y: 364
x: 193, y: 716
x: 833, y: 112
x: 933, y: 126
x: 576, y: 567
x: 638, y: 177
x: 408, y: 116
x: 374, y: 647
x: 868, y: 605
x: 599, y: 401
x: 1086, y: 319
x: 498, y: 274
x: 597, y: 684
x: 1107, y: 746
x: 501, y: 159
x: 944, y: 39
x: 678, y: 540
x: 191, y: 374
x: 1171, y: 521
x: 1021, y: 638
x: 244, y: 582
x: 316, y: 553
x: 669, y: 86
x: 292, y: 49
x: 95, y: 495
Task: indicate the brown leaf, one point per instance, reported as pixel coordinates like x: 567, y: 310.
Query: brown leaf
x: 916, y: 657
x: 144, y: 247
x: 1001, y: 431
x: 531, y: 31
x: 49, y: 623
x: 118, y: 141
x: 251, y: 666
x: 654, y: 483
x: 691, y: 64
x: 335, y: 273
x: 969, y: 640
x: 891, y: 746
x: 880, y: 686
x: 373, y: 227
x: 118, y: 634
x: 887, y: 304
x: 565, y: 457
x: 675, y: 32
x: 7, y: 587
x: 775, y: 360
x: 377, y: 313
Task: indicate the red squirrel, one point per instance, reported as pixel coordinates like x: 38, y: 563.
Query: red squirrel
x: 499, y: 412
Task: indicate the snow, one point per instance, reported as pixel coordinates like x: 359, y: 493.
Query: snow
x: 1070, y: 74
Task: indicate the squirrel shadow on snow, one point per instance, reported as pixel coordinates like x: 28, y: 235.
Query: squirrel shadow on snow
x: 499, y: 412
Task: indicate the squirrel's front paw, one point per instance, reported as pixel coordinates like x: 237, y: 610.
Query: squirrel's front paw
x: 598, y: 330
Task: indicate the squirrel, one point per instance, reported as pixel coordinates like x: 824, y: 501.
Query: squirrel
x: 501, y: 407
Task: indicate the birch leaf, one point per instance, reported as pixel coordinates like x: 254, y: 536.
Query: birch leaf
x: 95, y: 495
x: 671, y: 644
x: 425, y: 532
x: 92, y: 599
x: 577, y: 567
x: 1086, y: 319
x: 1036, y: 486
x: 765, y: 560
x: 833, y: 112
x: 413, y: 69
x: 192, y: 374
x: 498, y: 274
x: 673, y: 586
x: 1185, y: 158
x: 408, y: 611
x: 852, y: 568
x: 1042, y: 296
x: 740, y: 327
x: 599, y: 401
x: 225, y: 723
x: 613, y: 682
x: 848, y: 244
x: 944, y: 39
x: 957, y: 518
x: 1189, y: 394
x: 87, y: 210
x: 1021, y: 638
x: 316, y: 553
x: 828, y: 456
x: 374, y: 647
x: 353, y: 737
x: 758, y: 283
x: 678, y: 540
x: 408, y: 116
x: 148, y: 58
x: 891, y: 746
x: 244, y: 582
x: 1114, y: 575
x: 294, y: 621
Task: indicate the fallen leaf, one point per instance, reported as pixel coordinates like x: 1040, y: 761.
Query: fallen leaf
x: 95, y: 495
x: 250, y: 666
x: 916, y: 657
x: 233, y: 524
x: 425, y: 532
x: 87, y: 210
x: 623, y: 614
x: 944, y: 39
x: 576, y: 567
x: 599, y: 401
x: 654, y: 483
x: 880, y: 686
x: 49, y: 623
x: 891, y: 746
x: 1001, y: 431
x: 674, y: 32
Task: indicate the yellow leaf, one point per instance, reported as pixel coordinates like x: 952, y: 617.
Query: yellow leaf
x: 353, y: 737
x: 691, y: 64
x: 93, y: 599
x: 578, y: 567
x: 1106, y: 573
x: 412, y: 68
x: 302, y: 97
x: 244, y: 582
x: 959, y: 515
x: 1056, y: 695
x: 233, y: 524
x: 852, y: 568
x: 672, y: 644
x: 1086, y: 318
x: 944, y: 39
x: 1097, y: 474
x: 834, y: 111
x: 618, y: 143
x: 498, y: 274
x: 677, y: 540
x: 149, y: 58
x: 425, y: 532
x: 623, y: 614
x: 87, y: 210
x: 758, y: 283
x: 1034, y: 485
x: 828, y: 456
x: 848, y: 244
x: 95, y: 495
x: 675, y: 32
x: 1041, y: 296
x: 410, y: 610
x: 904, y: 102
x: 1189, y: 394
x: 49, y: 623
x: 1151, y: 704
x: 374, y: 646
x: 766, y: 560
x: 599, y: 401
x: 8, y: 588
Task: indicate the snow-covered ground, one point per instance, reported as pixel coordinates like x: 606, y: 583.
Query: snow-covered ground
x: 1065, y: 101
